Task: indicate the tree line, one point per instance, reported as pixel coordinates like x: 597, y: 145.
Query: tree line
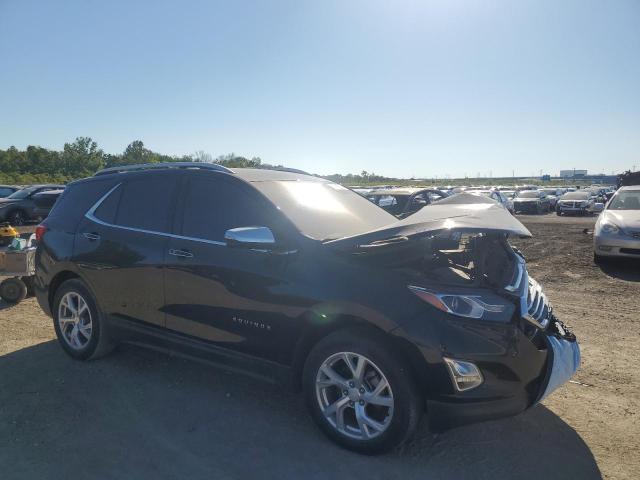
x: 82, y: 158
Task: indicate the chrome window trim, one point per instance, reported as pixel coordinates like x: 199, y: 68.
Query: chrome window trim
x: 90, y: 215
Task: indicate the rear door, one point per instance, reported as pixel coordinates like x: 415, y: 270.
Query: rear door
x: 121, y: 242
x: 226, y: 295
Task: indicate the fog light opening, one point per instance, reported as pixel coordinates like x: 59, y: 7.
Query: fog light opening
x: 464, y: 375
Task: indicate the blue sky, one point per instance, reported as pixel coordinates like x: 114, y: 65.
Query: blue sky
x: 401, y: 88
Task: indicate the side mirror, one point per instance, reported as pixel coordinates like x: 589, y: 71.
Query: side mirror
x: 250, y: 237
x: 598, y: 207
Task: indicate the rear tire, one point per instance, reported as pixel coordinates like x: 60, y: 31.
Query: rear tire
x: 13, y: 290
x: 365, y: 425
x: 83, y: 335
x: 17, y: 218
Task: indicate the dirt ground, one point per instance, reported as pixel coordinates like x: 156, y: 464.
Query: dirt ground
x: 139, y: 414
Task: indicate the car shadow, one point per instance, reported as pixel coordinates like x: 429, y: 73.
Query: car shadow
x: 624, y: 269
x: 141, y: 414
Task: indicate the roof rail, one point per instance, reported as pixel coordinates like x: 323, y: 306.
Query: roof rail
x: 162, y: 165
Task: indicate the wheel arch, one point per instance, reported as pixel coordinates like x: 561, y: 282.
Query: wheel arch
x: 57, y: 280
x: 403, y: 348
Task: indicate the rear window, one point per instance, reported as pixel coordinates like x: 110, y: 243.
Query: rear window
x: 75, y: 201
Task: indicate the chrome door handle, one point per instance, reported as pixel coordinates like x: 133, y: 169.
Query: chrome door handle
x: 91, y: 236
x: 180, y: 253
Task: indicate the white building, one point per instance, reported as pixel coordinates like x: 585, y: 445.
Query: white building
x: 573, y: 173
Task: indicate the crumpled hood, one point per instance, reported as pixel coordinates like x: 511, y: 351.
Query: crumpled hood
x: 625, y: 219
x: 461, y: 212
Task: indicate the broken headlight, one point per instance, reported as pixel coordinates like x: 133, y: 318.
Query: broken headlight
x: 486, y: 306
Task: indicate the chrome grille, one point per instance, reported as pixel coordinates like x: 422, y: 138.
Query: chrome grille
x: 534, y: 305
x: 537, y: 307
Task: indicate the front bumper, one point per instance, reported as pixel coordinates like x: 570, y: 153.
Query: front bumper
x: 507, y: 391
x: 573, y: 208
x: 533, y: 207
x: 618, y: 245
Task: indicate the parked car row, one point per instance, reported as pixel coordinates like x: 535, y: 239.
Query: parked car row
x: 26, y: 204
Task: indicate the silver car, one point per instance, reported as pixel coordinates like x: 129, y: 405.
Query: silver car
x: 617, y: 231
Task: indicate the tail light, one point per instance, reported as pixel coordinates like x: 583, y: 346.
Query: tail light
x: 40, y: 231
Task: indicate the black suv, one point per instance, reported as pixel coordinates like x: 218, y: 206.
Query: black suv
x: 297, y: 279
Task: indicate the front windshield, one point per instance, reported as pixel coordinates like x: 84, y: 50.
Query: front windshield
x: 528, y: 194
x: 324, y: 210
x: 20, y: 194
x: 628, y: 200
x: 575, y: 196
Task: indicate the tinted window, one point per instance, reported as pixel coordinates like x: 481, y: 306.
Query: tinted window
x: 213, y: 206
x: 147, y: 203
x: 5, y: 191
x: 109, y: 207
x: 76, y: 200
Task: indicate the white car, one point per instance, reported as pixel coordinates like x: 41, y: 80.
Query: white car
x: 617, y: 231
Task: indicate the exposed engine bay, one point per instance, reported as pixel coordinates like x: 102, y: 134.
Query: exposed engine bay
x: 452, y: 258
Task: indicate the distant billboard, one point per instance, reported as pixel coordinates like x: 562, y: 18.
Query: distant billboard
x: 573, y: 173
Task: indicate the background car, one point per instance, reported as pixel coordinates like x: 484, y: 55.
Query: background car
x: 499, y: 197
x: 18, y: 207
x: 617, y: 231
x: 6, y: 190
x: 403, y: 202
x: 44, y: 202
x: 531, y: 201
x: 552, y: 194
x: 580, y: 202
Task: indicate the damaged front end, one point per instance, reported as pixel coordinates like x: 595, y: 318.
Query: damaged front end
x: 500, y: 348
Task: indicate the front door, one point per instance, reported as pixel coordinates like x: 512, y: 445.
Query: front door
x: 230, y: 296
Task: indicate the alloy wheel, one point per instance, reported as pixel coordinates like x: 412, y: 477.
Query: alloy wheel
x: 74, y: 320
x: 354, y: 395
x: 17, y: 218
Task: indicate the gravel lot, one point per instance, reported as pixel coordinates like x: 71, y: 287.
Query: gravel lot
x: 139, y: 414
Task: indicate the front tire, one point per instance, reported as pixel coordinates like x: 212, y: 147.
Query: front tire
x: 360, y: 393
x: 78, y: 322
